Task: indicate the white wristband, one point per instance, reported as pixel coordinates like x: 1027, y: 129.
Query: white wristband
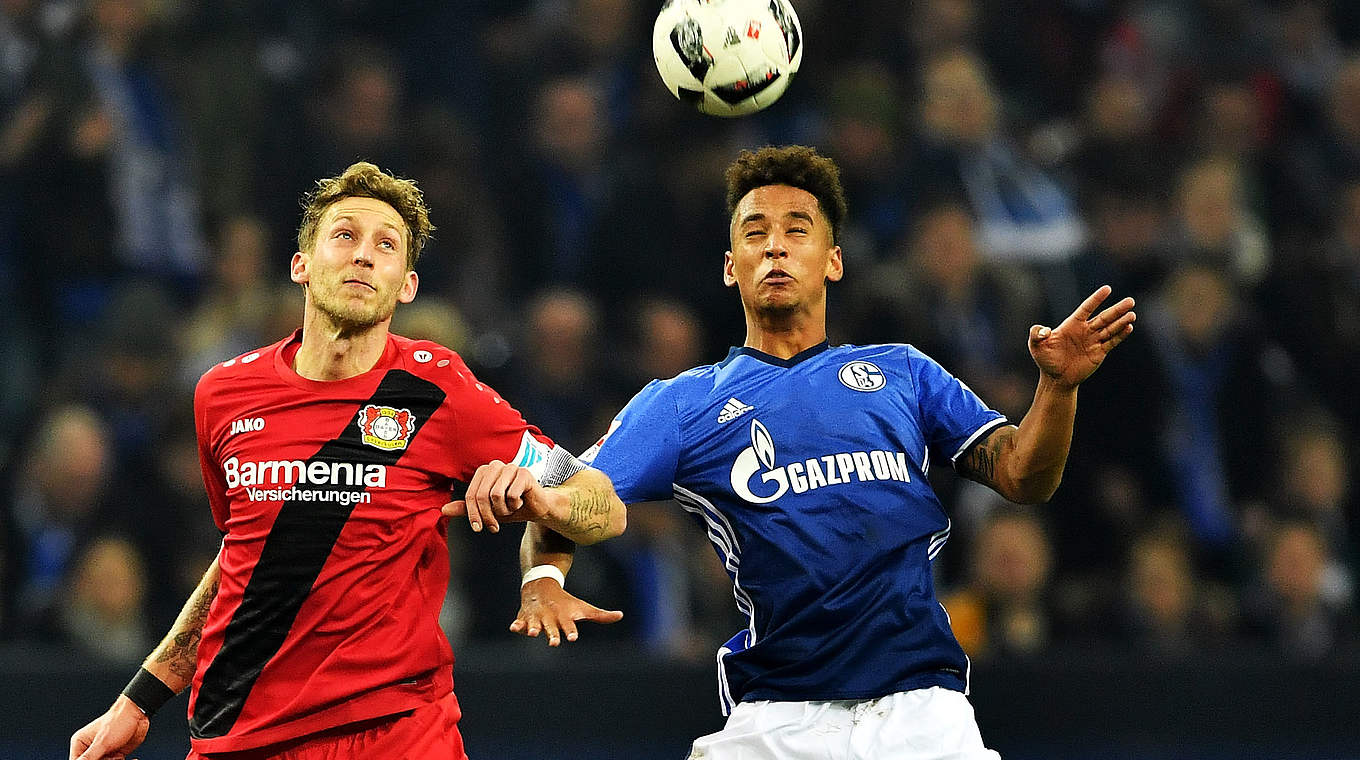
x: 544, y: 571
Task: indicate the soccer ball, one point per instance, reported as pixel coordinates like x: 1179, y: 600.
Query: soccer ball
x: 727, y: 57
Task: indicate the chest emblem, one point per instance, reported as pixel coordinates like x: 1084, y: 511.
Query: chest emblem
x: 383, y: 427
x: 861, y: 376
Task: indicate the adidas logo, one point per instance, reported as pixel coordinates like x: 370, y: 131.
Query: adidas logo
x: 732, y: 410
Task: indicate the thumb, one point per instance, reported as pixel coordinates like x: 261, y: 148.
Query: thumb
x: 1037, y: 334
x: 597, y: 615
x: 456, y: 508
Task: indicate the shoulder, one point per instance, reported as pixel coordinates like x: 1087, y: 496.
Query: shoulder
x: 679, y: 390
x: 257, y: 362
x: 433, y: 362
x: 420, y: 355
x: 885, y: 351
x: 887, y: 356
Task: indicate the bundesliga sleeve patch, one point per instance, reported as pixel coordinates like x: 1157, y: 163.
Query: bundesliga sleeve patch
x: 386, y: 428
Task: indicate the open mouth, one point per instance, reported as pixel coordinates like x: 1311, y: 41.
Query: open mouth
x: 777, y: 277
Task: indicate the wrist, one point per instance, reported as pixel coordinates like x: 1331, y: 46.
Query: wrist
x: 1056, y: 385
x: 147, y: 692
x: 543, y: 571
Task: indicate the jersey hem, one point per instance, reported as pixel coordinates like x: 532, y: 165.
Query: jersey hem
x: 926, y: 681
x: 393, y: 699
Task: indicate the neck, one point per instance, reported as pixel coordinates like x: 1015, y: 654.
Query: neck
x: 784, y: 336
x: 332, y: 351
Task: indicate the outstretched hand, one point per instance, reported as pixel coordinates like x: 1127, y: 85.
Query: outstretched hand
x: 1070, y: 352
x: 545, y: 606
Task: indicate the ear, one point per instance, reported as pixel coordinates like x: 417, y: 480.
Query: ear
x: 297, y: 270
x: 835, y: 267
x: 729, y: 271
x: 407, y: 293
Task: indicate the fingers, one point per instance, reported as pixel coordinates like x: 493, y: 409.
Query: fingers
x: 473, y: 501
x: 93, y: 751
x: 557, y: 621
x: 1119, y: 337
x: 1088, y: 307
x: 1119, y: 327
x: 1112, y: 314
x: 531, y: 623
x: 455, y: 508
x: 516, y: 494
x: 496, y: 491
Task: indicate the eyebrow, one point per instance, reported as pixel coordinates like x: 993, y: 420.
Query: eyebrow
x: 349, y: 218
x: 760, y: 217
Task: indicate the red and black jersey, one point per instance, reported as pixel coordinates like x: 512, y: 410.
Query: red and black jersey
x: 334, y: 562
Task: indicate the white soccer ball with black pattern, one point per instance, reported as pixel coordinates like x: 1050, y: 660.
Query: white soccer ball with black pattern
x: 727, y: 57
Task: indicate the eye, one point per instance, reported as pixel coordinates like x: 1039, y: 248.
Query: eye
x: 797, y: 231
x: 387, y: 242
x: 344, y: 234
x: 753, y: 233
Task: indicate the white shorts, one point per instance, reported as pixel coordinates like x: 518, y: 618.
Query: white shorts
x: 922, y: 724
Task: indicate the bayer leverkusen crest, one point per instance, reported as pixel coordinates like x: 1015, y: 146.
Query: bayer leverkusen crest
x: 386, y: 428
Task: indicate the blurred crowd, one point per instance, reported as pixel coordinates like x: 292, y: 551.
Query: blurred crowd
x: 1002, y: 159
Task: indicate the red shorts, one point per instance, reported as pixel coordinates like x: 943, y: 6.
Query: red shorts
x: 426, y: 733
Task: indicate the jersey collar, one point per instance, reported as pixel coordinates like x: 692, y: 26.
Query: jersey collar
x: 794, y: 360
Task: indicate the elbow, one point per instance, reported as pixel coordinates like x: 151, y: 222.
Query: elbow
x: 618, y: 520
x: 1031, y: 497
x: 1035, y: 489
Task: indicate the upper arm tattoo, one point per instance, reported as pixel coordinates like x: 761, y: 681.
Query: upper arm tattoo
x: 982, y: 461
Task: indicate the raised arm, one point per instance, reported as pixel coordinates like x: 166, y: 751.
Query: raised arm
x: 1025, y: 463
x: 165, y: 672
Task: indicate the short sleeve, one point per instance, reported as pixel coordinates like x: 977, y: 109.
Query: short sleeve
x: 953, y: 418
x: 640, y: 451
x: 491, y: 429
x: 214, y: 481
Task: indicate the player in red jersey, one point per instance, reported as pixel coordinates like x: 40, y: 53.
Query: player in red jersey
x: 327, y: 458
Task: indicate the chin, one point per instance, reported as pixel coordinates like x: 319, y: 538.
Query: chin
x: 355, y: 318
x: 776, y: 307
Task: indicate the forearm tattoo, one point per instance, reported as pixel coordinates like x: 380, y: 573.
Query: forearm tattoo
x: 180, y: 648
x: 589, y: 513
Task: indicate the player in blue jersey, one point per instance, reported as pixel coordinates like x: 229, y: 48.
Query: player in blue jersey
x: 806, y: 464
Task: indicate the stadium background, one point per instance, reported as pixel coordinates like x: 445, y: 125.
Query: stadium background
x: 1188, y: 594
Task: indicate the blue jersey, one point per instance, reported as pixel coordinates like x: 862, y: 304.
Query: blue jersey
x: 809, y: 476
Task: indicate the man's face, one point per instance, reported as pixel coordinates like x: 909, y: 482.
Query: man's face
x: 782, y: 254
x: 356, y: 271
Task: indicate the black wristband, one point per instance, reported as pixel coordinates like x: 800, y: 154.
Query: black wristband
x: 148, y: 692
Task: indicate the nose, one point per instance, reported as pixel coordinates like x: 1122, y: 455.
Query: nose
x: 363, y: 256
x: 775, y: 247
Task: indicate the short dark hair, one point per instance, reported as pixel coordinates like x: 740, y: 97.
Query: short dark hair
x: 364, y: 180
x: 795, y: 165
